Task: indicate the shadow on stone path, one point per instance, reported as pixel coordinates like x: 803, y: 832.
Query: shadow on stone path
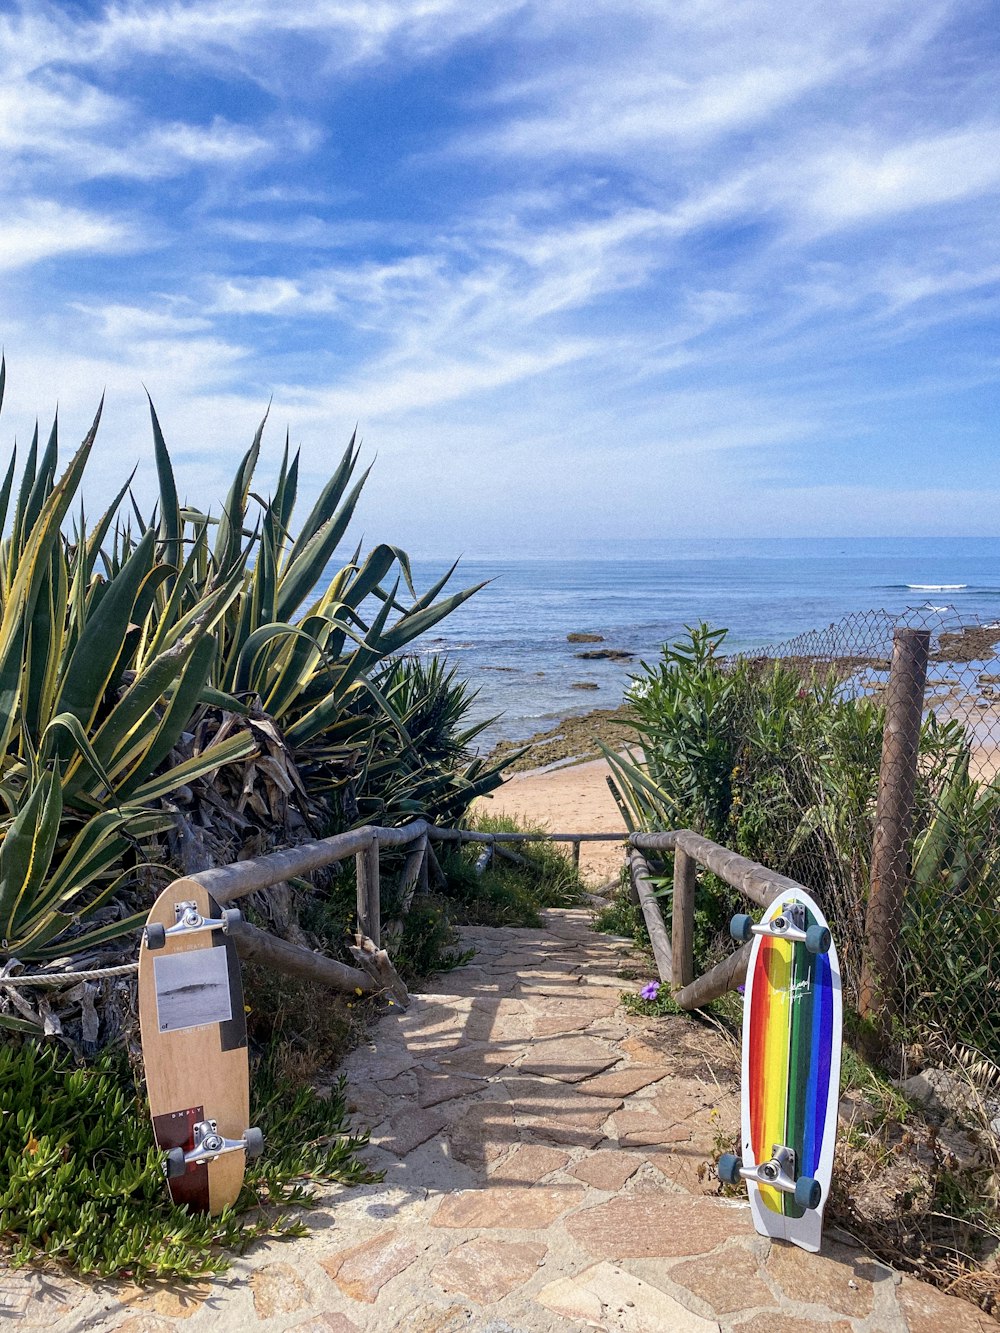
x: 544, y: 1158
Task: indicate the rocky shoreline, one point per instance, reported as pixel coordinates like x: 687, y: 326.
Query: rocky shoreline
x: 573, y: 740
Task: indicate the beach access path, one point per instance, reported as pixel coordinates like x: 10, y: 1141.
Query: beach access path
x: 546, y: 1160
x: 573, y: 798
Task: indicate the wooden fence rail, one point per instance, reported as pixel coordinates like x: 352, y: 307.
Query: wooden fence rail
x: 673, y: 949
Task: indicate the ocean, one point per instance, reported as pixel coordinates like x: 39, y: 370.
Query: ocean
x: 510, y: 639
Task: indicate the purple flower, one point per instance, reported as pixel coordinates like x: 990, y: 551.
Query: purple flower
x: 742, y: 989
x: 650, y: 990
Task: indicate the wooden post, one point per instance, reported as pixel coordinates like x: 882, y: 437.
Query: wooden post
x: 576, y: 855
x: 413, y: 867
x: 369, y: 909
x: 658, y: 937
x: 682, y: 923
x: 376, y: 972
x: 723, y: 977
x: 890, y: 868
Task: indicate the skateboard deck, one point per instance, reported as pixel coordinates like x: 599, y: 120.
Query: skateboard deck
x: 792, y: 1020
x: 194, y: 1047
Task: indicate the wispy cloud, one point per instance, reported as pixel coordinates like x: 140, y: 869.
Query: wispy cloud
x: 724, y: 248
x: 43, y: 229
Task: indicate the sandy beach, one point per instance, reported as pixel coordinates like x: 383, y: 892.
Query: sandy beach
x: 572, y: 799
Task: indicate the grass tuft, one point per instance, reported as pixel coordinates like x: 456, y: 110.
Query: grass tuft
x: 506, y: 894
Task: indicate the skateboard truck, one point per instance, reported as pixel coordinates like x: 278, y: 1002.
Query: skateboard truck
x: 210, y: 1144
x: 789, y: 924
x: 777, y: 1174
x: 188, y: 921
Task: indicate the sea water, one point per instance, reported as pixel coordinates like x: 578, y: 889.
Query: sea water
x: 510, y: 639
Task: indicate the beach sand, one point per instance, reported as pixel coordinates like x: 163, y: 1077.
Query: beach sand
x: 573, y: 799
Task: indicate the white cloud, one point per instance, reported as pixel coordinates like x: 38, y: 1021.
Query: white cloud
x: 857, y: 186
x: 43, y: 229
x: 218, y: 143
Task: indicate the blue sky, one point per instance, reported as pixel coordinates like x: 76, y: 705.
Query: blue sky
x: 616, y: 268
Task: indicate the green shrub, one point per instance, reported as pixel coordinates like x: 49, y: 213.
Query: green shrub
x: 782, y: 764
x: 505, y: 894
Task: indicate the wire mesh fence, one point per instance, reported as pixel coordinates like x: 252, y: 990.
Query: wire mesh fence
x: 875, y: 783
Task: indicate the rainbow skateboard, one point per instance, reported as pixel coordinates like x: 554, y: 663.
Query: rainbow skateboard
x: 792, y: 1017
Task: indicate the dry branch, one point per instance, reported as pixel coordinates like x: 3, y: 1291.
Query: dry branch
x: 374, y: 973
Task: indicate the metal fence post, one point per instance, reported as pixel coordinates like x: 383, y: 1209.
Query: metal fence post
x: 369, y: 907
x: 682, y: 918
x: 890, y: 866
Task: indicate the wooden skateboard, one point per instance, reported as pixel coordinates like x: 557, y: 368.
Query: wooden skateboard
x: 792, y: 1018
x: 194, y: 1047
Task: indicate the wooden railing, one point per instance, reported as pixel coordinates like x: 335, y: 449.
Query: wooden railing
x: 673, y: 949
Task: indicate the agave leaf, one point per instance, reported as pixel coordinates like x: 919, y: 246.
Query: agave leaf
x: 21, y: 1025
x: 97, y: 538
x: 27, y: 848
x: 177, y: 713
x: 42, y: 487
x: 96, y: 846
x: 227, y: 541
x: 328, y: 499
x: 45, y: 645
x: 100, y: 645
x: 83, y: 943
x: 412, y: 626
x: 171, y: 526
x: 258, y: 641
x: 24, y: 492
x: 8, y: 480
x: 305, y: 569
x: 33, y: 558
x: 285, y: 496
x: 52, y: 746
x: 240, y: 746
x: 136, y: 705
x: 295, y: 668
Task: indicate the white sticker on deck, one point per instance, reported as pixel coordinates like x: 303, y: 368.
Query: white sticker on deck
x: 192, y: 989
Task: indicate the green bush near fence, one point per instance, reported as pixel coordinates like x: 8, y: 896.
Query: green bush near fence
x: 782, y: 765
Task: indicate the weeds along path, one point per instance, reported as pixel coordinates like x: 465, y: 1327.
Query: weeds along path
x: 545, y: 1159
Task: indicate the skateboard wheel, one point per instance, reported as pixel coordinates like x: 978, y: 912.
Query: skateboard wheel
x: 232, y: 916
x: 741, y: 927
x: 728, y: 1169
x: 818, y: 939
x: 175, y: 1165
x: 254, y: 1143
x: 156, y: 935
x: 808, y: 1192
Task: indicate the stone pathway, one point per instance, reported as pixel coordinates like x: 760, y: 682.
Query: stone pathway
x: 545, y: 1160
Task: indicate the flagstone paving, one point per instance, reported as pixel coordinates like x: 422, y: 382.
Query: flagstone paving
x: 545, y: 1162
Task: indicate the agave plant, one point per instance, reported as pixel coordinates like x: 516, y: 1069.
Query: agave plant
x: 86, y: 718
x: 307, y: 650
x: 437, y: 774
x: 189, y: 656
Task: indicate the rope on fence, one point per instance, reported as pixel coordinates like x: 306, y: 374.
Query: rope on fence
x: 54, y: 979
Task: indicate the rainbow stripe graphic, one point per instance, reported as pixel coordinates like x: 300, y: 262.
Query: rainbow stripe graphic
x: 790, y: 1048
